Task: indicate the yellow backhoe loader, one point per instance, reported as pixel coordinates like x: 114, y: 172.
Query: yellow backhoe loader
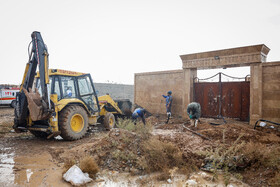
x: 63, y: 103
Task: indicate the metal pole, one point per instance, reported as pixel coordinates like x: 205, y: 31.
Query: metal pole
x: 194, y: 99
x: 220, y: 94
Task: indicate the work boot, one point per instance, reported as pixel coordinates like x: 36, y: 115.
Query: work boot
x: 168, y: 116
x: 192, y: 123
x: 167, y: 120
x: 195, y: 123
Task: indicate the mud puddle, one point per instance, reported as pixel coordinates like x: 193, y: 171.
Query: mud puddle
x: 29, y: 170
x: 40, y: 170
x: 6, y: 166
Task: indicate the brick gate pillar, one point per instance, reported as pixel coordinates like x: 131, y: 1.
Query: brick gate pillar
x: 255, y: 93
x: 189, y: 74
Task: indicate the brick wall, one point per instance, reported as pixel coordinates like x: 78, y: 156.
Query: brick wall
x: 149, y: 88
x: 116, y: 91
x: 271, y: 91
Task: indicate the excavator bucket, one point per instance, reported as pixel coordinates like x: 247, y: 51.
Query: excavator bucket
x: 35, y: 105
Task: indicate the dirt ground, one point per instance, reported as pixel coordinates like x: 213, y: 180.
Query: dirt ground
x: 29, y: 161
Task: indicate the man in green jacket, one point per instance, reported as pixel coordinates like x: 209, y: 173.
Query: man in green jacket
x: 194, y: 112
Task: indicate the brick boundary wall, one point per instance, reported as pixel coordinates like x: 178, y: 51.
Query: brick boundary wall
x: 149, y: 88
x: 116, y: 91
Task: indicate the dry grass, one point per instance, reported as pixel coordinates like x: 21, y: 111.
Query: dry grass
x: 255, y: 152
x: 272, y: 159
x: 68, y: 164
x: 136, y: 147
x: 240, y: 155
x: 160, y: 156
x: 163, y: 176
x: 275, y: 181
x: 88, y: 165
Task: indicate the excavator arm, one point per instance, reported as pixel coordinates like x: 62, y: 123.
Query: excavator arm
x: 38, y: 105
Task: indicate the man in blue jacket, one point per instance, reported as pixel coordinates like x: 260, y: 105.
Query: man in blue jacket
x: 139, y: 112
x: 168, y: 104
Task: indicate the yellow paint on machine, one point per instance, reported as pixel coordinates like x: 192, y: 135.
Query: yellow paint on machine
x: 61, y: 72
x: 24, y: 75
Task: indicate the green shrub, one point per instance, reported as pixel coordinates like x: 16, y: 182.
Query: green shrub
x: 144, y: 131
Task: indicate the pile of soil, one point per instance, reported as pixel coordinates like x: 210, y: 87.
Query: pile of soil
x: 110, y: 149
x: 254, y: 174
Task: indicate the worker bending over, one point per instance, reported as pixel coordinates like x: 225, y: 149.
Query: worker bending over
x: 139, y: 112
x: 168, y: 104
x: 194, y: 112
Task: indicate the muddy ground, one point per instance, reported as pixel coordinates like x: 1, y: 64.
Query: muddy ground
x: 29, y: 161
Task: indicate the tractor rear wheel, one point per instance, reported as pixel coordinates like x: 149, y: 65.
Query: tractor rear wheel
x: 13, y: 104
x: 73, y: 122
x: 109, y: 121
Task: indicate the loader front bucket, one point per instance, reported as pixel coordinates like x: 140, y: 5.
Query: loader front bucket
x: 36, y: 107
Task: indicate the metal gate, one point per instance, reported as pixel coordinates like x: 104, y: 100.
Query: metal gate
x: 227, y: 99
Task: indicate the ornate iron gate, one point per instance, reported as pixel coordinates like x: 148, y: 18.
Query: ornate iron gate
x: 227, y: 99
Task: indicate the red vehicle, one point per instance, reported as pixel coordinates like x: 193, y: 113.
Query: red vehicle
x: 8, y: 96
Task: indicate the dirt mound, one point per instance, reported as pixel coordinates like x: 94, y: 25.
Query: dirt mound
x: 235, y: 147
x: 257, y: 151
x: 128, y: 150
x: 136, y: 152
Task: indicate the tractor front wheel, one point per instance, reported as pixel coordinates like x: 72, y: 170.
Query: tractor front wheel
x: 73, y: 122
x: 109, y: 121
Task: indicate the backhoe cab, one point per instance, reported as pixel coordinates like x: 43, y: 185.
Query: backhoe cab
x: 64, y: 102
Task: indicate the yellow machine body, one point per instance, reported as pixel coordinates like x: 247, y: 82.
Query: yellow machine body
x: 104, y: 101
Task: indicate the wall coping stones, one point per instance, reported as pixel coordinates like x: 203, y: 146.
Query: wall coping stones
x: 234, y: 57
x: 159, y: 72
x: 275, y: 63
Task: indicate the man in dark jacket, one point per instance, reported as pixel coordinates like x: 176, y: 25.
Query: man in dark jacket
x: 168, y: 104
x: 139, y: 112
x: 194, y: 112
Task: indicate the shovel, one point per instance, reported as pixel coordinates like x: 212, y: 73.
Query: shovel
x: 36, y: 105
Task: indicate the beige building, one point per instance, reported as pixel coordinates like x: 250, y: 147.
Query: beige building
x: 262, y: 90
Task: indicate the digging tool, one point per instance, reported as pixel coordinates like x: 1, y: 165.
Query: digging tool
x: 263, y: 120
x: 196, y: 133
x: 220, y: 117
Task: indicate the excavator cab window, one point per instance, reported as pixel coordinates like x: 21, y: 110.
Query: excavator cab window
x: 56, y: 89
x: 38, y: 85
x: 87, y: 92
x: 80, y: 87
x: 68, y: 87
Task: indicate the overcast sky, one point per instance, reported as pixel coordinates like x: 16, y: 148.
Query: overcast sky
x: 113, y: 39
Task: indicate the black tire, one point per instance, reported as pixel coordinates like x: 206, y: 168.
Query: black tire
x: 109, y: 121
x: 73, y: 122
x: 13, y: 104
x: 40, y: 134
